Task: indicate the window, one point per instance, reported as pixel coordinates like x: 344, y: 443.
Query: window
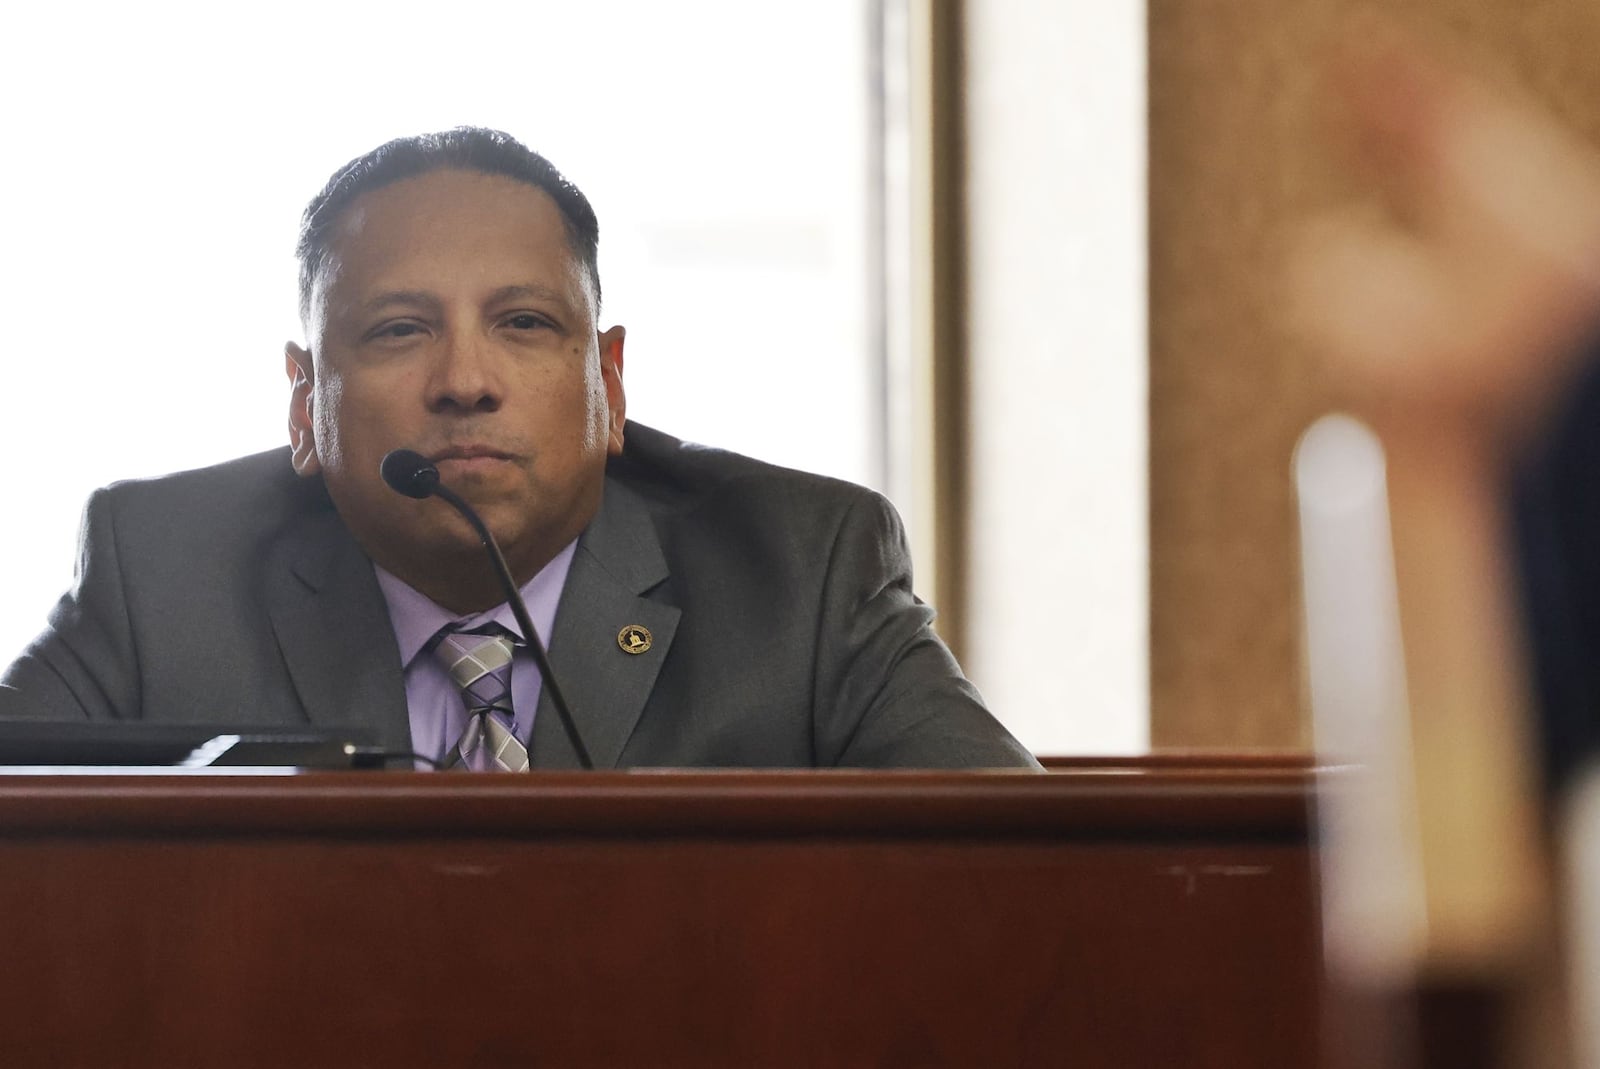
x: 156, y: 184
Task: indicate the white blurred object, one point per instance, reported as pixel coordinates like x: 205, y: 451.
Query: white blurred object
x: 1374, y: 915
x: 1580, y: 848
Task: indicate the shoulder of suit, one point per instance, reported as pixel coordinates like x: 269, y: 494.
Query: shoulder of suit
x: 658, y: 465
x: 246, y: 486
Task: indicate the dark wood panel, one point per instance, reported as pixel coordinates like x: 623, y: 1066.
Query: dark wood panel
x: 1143, y: 798
x: 1196, y: 760
x: 659, y: 919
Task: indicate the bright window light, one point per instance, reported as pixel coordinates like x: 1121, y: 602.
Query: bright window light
x: 160, y: 154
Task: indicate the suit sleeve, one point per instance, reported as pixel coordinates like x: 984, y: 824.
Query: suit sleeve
x: 1556, y: 513
x: 889, y: 693
x: 85, y: 664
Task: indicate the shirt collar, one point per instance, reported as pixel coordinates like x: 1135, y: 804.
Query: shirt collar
x: 416, y: 618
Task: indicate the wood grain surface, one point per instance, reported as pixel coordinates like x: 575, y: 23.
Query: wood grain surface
x: 1115, y: 917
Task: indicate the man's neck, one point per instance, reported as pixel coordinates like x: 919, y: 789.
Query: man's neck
x: 464, y: 584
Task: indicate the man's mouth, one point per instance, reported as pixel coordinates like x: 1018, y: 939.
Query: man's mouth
x: 465, y: 460
x: 469, y: 452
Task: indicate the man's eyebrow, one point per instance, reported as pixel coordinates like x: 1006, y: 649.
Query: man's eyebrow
x: 408, y: 298
x: 381, y: 302
x: 527, y: 292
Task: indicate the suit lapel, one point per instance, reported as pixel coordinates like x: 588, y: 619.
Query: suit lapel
x: 332, y: 626
x: 618, y: 560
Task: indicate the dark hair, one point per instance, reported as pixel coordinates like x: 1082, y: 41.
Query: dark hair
x: 466, y: 148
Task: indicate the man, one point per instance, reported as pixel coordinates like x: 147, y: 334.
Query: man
x: 700, y: 608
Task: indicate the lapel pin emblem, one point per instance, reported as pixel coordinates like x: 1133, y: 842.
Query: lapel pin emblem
x: 634, y: 638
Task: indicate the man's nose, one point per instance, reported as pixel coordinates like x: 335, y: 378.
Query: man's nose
x: 465, y: 376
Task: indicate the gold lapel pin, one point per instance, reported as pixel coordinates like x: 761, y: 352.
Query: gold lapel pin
x: 635, y: 638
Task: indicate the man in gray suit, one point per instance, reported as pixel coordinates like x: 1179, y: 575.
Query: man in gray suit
x: 702, y: 609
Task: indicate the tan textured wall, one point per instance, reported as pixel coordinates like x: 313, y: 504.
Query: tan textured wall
x: 1235, y: 157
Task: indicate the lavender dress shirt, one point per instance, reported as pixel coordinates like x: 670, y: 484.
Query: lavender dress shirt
x: 438, y: 714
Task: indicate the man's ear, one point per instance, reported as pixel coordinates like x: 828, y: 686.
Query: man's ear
x: 611, y: 372
x: 302, y: 431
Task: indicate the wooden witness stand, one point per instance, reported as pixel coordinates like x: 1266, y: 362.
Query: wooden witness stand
x: 1113, y: 913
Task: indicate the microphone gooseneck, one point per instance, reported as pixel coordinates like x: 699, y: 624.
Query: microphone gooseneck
x: 414, y: 475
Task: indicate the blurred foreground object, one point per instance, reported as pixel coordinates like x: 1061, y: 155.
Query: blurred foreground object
x: 1374, y: 919
x: 1450, y: 314
x: 1451, y: 308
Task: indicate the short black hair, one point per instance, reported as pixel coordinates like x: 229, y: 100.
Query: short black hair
x: 465, y: 148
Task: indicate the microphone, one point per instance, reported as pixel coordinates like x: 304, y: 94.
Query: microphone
x: 409, y: 472
x: 414, y: 475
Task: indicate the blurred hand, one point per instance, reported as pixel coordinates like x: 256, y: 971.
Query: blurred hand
x: 1456, y: 306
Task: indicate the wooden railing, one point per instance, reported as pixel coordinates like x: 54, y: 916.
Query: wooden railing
x: 1129, y: 914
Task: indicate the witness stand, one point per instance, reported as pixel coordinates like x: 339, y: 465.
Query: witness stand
x: 1113, y: 913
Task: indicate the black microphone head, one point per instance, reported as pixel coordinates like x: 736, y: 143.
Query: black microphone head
x: 409, y: 472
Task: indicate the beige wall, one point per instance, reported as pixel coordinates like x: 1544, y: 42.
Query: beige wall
x: 1234, y: 159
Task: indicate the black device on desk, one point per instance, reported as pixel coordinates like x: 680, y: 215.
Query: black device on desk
x: 115, y: 744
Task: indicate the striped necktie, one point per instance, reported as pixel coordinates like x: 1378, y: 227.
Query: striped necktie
x: 479, y: 663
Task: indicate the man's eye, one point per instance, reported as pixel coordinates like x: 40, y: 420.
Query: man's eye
x: 398, y: 329
x: 526, y: 321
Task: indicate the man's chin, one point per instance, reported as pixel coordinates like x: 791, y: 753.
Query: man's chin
x: 440, y: 539
x: 506, y: 523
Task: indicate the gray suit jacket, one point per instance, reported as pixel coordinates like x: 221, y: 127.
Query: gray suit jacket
x: 784, y: 629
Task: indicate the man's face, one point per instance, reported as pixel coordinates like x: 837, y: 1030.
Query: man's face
x: 454, y: 319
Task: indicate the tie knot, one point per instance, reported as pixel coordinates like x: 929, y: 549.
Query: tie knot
x: 479, y: 663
